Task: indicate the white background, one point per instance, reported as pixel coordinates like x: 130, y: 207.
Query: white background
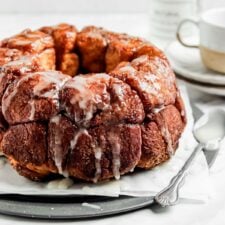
x: 87, y: 6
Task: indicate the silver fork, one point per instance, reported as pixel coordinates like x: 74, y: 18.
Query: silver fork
x: 170, y: 194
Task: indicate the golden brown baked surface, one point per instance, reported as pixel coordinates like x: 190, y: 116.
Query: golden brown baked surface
x: 90, y: 104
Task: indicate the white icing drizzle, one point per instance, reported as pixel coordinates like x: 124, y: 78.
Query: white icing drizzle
x: 158, y: 109
x: 1, y: 76
x: 23, y: 64
x: 74, y: 141
x: 157, y: 86
x: 57, y: 144
x: 7, y: 97
x: 22, y: 42
x: 182, y: 113
x: 148, y: 88
x: 167, y: 137
x: 128, y: 69
x: 165, y: 70
x: 118, y: 91
x: 46, y: 79
x: 65, y: 183
x: 153, y: 87
x: 71, y: 35
x: 151, y: 77
x: 85, y: 98
x: 32, y: 110
x: 97, y: 35
x: 55, y: 119
x: 52, y: 184
x: 141, y: 59
x: 98, y: 156
x: 155, y: 82
x: 115, y: 145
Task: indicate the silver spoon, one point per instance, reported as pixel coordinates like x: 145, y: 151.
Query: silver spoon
x: 209, y: 130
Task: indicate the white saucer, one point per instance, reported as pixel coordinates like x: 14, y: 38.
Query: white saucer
x: 209, y: 89
x: 187, y: 63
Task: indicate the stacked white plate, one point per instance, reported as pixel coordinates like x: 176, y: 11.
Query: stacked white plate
x: 188, y: 67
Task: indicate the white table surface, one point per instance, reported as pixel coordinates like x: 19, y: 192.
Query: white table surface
x: 211, y: 213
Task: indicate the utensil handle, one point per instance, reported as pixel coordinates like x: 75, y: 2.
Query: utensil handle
x: 170, y: 195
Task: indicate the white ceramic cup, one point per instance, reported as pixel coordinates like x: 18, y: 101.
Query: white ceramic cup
x: 212, y: 38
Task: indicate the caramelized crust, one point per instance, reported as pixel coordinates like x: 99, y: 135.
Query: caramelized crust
x: 26, y: 143
x: 64, y: 36
x: 92, y: 100
x: 8, y: 55
x: 26, y: 148
x: 158, y: 74
x: 120, y: 48
x: 29, y: 41
x: 16, y: 69
x: 92, y: 46
x: 113, y: 143
x: 160, y: 136
x: 34, y: 43
x: 36, y: 173
x: 149, y: 49
x: 33, y: 97
x: 3, y: 126
x: 151, y: 77
x: 47, y: 59
x: 126, y: 113
x: 153, y: 146
x: 69, y: 64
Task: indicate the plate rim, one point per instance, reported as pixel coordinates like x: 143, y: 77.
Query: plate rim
x: 218, y: 79
x: 7, y: 204
x: 203, y: 87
